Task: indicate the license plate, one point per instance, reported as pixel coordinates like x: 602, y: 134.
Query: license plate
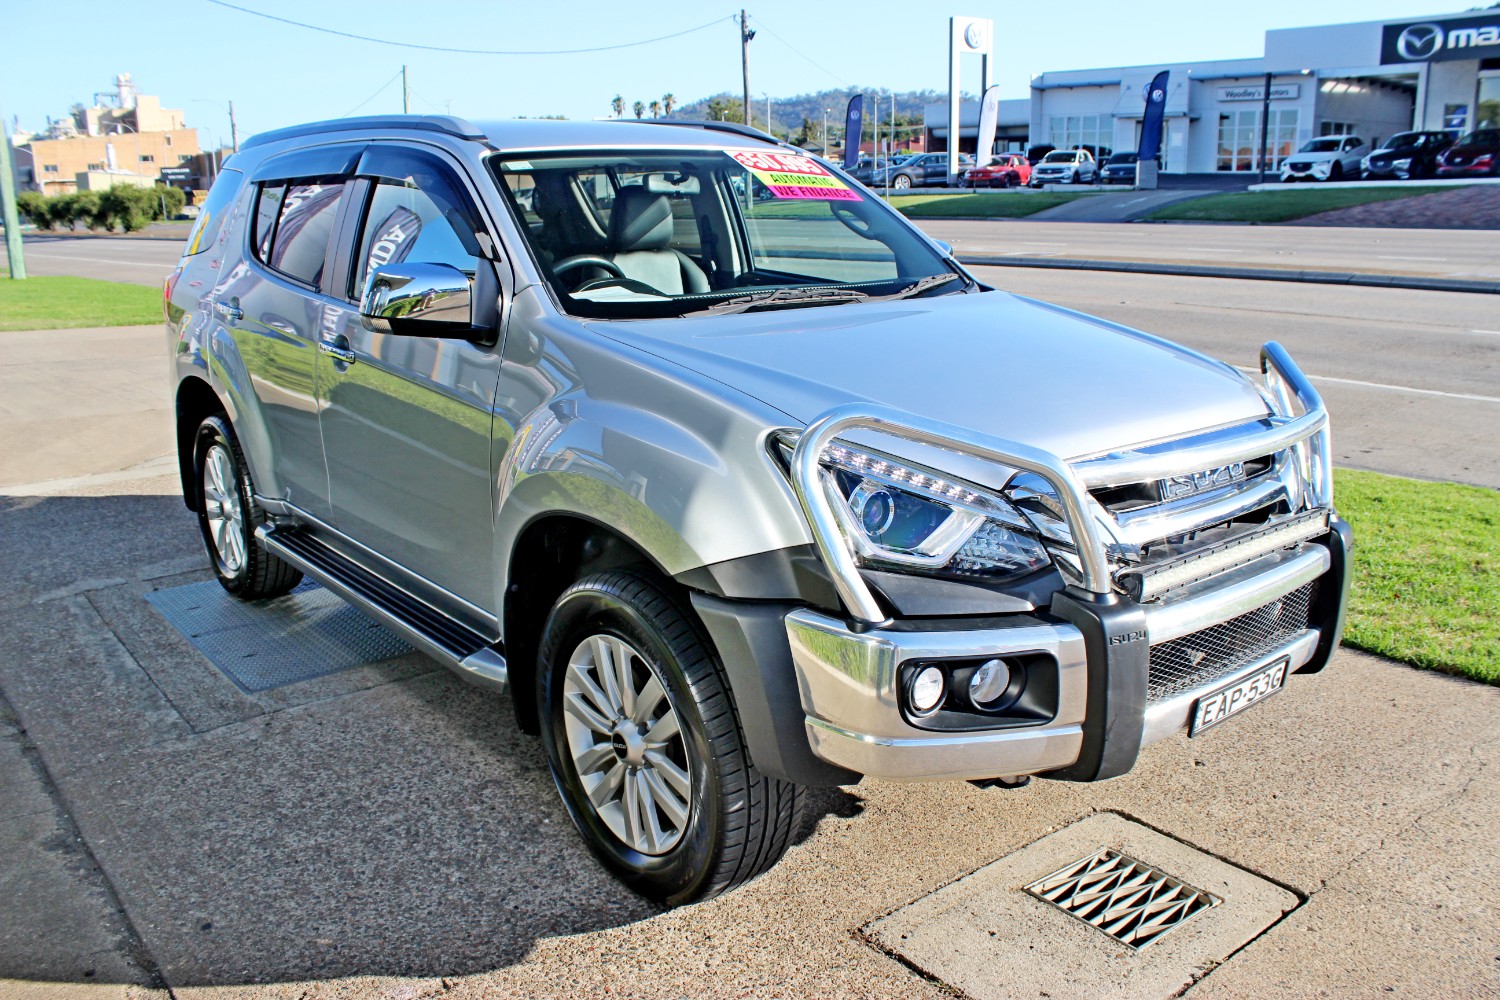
x: 1233, y: 699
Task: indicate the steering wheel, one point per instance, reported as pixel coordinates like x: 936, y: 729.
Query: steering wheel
x: 587, y: 260
x: 630, y: 284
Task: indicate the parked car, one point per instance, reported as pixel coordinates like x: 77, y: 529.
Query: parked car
x: 1329, y: 158
x: 1119, y: 168
x: 922, y: 170
x: 1406, y: 155
x: 1006, y: 170
x: 1065, y: 166
x: 864, y: 170
x: 527, y: 393
x: 1475, y: 155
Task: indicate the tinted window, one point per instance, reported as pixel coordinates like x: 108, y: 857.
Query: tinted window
x: 1485, y: 137
x: 267, y: 207
x: 1404, y: 140
x: 405, y: 223
x: 299, y: 245
x: 211, y: 216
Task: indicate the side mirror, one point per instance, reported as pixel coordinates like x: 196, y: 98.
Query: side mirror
x: 435, y: 299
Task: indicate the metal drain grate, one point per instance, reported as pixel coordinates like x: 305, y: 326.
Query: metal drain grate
x: 1127, y: 899
x: 261, y: 645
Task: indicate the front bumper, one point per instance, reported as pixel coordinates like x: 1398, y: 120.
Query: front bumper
x: 849, y: 675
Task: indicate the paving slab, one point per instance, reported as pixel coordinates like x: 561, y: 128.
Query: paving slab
x: 988, y: 936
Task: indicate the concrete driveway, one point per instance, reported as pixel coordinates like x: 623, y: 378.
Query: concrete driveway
x: 387, y: 831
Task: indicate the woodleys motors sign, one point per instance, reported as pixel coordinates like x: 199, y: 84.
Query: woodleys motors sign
x: 1439, y: 41
x: 1279, y: 92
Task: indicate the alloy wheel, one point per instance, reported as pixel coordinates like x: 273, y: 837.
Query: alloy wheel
x: 221, y: 507
x: 626, y: 744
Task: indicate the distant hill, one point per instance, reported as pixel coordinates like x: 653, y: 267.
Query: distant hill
x: 787, y: 113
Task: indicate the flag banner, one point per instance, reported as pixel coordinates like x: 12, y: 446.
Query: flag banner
x: 1156, y: 106
x: 394, y: 238
x: 989, y: 123
x: 854, y: 122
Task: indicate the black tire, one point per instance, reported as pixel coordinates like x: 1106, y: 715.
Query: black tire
x: 739, y: 822
x: 247, y: 571
x: 1336, y: 172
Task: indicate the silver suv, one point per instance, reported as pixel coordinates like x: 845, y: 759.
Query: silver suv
x: 733, y: 479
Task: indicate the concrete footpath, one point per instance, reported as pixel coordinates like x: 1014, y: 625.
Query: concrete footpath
x: 386, y: 831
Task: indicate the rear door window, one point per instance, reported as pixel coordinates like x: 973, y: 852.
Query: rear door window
x: 293, y: 223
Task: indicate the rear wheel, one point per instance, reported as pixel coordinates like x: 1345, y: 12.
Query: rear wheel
x: 228, y: 516
x: 645, y: 747
x: 901, y: 182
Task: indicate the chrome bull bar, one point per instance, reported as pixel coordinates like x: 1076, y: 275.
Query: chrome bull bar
x: 1287, y: 387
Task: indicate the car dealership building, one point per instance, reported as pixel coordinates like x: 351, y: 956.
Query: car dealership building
x: 1370, y: 79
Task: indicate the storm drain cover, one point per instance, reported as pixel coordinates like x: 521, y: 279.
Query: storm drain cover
x: 268, y: 644
x: 1029, y: 924
x: 1127, y: 899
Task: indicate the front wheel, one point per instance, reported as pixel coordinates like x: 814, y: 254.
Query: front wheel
x: 228, y: 515
x: 901, y: 183
x: 644, y: 746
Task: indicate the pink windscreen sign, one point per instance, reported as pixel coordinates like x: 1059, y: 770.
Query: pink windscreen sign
x: 788, y: 175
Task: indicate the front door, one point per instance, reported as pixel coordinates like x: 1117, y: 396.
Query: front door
x: 406, y: 420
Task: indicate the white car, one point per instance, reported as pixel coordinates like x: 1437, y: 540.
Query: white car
x: 1065, y: 166
x: 1330, y: 158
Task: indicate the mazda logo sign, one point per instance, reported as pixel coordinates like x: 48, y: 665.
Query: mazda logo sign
x: 1419, y: 42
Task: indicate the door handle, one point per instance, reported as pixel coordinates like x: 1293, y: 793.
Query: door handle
x: 340, y: 354
x: 229, y: 313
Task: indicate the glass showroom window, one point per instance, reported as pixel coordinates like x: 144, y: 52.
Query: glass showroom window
x: 1239, y: 138
x: 1094, y: 131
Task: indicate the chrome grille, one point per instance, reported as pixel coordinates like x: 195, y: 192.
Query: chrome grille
x: 1127, y: 899
x: 1187, y: 662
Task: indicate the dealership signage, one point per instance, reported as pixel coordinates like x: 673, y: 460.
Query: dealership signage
x: 1438, y: 41
x: 1279, y: 92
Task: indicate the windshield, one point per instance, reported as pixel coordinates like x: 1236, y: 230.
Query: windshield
x: 1486, y: 137
x: 1329, y: 145
x: 1403, y: 140
x: 1059, y: 157
x: 1123, y: 158
x: 675, y: 231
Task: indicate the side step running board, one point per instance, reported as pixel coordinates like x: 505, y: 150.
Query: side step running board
x: 454, y: 645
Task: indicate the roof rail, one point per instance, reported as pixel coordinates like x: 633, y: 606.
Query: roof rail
x: 446, y: 124
x: 712, y: 126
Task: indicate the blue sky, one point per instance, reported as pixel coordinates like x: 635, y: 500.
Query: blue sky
x: 197, y: 56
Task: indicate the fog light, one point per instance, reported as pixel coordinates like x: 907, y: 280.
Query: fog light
x: 989, y: 683
x: 927, y: 689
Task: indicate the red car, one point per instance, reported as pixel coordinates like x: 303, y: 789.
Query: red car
x: 1475, y: 155
x: 1006, y: 170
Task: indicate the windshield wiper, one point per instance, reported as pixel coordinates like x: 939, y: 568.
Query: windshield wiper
x: 821, y: 295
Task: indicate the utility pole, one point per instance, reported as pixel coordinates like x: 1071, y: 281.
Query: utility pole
x: 745, y: 35
x: 405, y: 93
x: 1265, y: 127
x: 8, y: 205
x: 825, y: 131
x: 234, y: 133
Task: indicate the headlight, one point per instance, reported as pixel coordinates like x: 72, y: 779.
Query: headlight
x: 1401, y: 164
x: 903, y: 517
x: 1364, y: 164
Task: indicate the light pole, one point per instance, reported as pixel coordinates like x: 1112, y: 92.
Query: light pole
x: 825, y: 131
x: 234, y: 134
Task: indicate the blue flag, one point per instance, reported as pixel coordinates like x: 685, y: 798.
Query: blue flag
x: 854, y: 123
x: 1156, y: 106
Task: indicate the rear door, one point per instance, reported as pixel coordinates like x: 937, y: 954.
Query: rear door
x: 274, y: 305
x: 406, y: 420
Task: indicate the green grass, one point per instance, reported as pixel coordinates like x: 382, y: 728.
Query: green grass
x: 1281, y: 205
x: 978, y: 206
x: 56, y: 303
x: 1426, y: 586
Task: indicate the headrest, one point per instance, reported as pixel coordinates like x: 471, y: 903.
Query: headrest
x: 639, y: 220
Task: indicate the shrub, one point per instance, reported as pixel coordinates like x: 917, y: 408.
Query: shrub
x: 33, y: 205
x: 79, y: 206
x: 127, y: 207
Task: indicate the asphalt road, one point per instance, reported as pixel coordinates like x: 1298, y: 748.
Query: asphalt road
x: 1430, y: 252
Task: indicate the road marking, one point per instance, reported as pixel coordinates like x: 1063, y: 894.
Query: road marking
x: 1393, y: 257
x: 1213, y: 250
x: 1494, y: 333
x: 1391, y: 388
x: 98, y: 260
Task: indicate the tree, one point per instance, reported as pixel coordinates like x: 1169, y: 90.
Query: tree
x: 656, y: 109
x: 33, y: 205
x: 807, y: 133
x: 639, y: 109
x: 618, y: 106
x: 727, y: 109
x: 668, y: 102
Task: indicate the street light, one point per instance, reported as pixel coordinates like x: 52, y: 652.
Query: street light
x: 825, y: 132
x: 234, y: 134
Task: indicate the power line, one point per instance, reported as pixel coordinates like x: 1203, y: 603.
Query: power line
x: 467, y: 52
x: 799, y: 52
x: 372, y: 97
